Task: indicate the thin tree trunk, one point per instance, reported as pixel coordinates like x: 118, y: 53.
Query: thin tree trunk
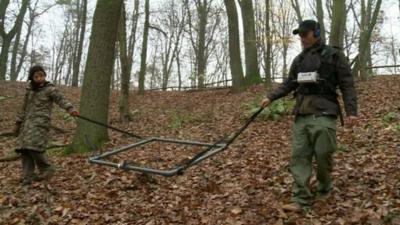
x: 178, y: 65
x: 268, y: 40
x: 126, y: 58
x: 320, y: 17
x: 338, y: 23
x: 132, y: 38
x: 201, y: 58
x: 125, y: 74
x: 68, y: 76
x: 24, y: 49
x: 234, y: 46
x: 13, y: 74
x: 250, y: 45
x: 285, y: 66
x: 153, y: 72
x: 368, y: 21
x: 60, y: 59
x: 165, y: 59
x: 394, y: 52
x: 75, y: 39
x: 172, y: 49
x: 78, y: 57
x: 143, y: 57
x: 369, y: 59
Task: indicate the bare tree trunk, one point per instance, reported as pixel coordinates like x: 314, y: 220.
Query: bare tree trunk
x: 320, y: 17
x: 61, y: 55
x: 268, y: 40
x: 7, y: 37
x: 201, y: 36
x: 284, y: 22
x: 153, y: 71
x: 171, y: 43
x: 250, y: 46
x: 68, y: 74
x: 132, y: 38
x: 99, y: 67
x: 165, y: 56
x: 338, y: 25
x: 126, y: 59
x: 394, y: 52
x: 201, y: 62
x: 285, y: 65
x: 143, y: 57
x: 17, y: 70
x: 125, y: 74
x: 13, y: 75
x: 368, y: 21
x: 296, y: 7
x: 78, y: 56
x: 369, y: 59
x: 234, y: 46
x: 116, y: 70
x: 178, y: 65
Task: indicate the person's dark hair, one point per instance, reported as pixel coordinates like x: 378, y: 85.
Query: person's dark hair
x: 33, y: 70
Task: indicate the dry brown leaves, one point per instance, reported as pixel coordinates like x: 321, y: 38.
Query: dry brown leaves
x: 246, y: 184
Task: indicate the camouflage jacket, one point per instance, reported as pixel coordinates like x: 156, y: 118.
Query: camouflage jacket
x: 35, y: 116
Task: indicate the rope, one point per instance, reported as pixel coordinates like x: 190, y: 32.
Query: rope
x: 109, y: 127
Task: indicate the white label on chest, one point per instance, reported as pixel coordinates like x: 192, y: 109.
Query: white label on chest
x: 307, y: 77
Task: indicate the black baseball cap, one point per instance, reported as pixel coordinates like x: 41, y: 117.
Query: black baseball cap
x: 306, y: 25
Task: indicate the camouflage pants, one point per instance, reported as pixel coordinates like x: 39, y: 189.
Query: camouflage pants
x: 30, y: 159
x: 312, y: 137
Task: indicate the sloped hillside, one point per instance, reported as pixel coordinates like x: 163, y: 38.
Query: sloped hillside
x: 246, y: 184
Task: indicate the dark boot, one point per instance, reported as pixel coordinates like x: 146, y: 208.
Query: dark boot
x: 46, y: 171
x: 28, y: 167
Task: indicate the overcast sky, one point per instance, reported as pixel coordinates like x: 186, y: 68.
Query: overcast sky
x: 52, y: 23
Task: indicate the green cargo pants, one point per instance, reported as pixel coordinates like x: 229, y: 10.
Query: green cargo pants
x: 312, y: 136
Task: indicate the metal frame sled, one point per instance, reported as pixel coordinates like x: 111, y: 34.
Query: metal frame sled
x: 211, y: 150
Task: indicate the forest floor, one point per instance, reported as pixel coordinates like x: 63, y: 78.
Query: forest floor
x: 246, y: 184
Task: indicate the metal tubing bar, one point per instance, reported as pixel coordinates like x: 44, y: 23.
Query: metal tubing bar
x: 207, y: 155
x: 166, y: 173
x: 188, y: 142
x: 123, y: 148
x: 210, y: 151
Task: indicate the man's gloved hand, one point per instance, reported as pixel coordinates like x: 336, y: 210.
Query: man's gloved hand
x: 73, y: 112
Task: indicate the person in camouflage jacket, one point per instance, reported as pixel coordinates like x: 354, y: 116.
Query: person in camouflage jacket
x: 33, y: 123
